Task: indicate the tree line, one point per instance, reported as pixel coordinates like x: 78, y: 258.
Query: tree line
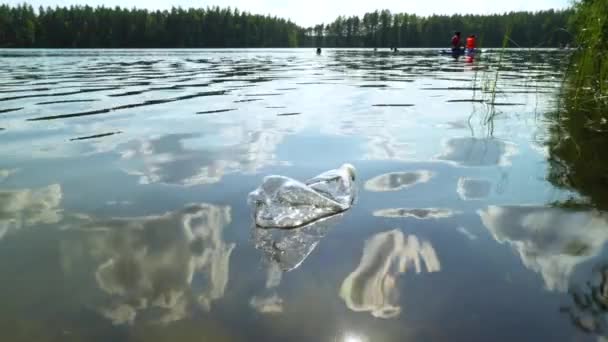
x: 384, y: 29
x: 86, y: 27
x: 102, y: 27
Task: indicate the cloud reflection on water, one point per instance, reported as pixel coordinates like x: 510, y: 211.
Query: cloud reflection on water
x: 29, y: 207
x: 168, y: 159
x: 550, y: 241
x: 6, y: 173
x: 473, y: 189
x: 387, y: 148
x: 372, y: 286
x: 421, y: 214
x: 478, y: 152
x: 267, y: 305
x: 157, y: 267
x: 396, y: 181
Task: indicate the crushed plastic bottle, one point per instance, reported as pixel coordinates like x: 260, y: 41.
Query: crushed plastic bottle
x: 282, y: 202
x: 287, y: 249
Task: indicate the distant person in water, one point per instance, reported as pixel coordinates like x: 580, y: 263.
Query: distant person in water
x: 471, y: 46
x: 471, y: 43
x: 456, y: 44
x: 318, y: 51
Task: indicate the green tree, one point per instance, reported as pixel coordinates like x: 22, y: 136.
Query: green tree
x: 103, y: 27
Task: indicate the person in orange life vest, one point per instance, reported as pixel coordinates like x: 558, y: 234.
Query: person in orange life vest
x: 471, y: 42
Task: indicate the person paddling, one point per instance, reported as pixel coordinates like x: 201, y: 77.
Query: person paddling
x: 471, y: 43
x: 456, y: 43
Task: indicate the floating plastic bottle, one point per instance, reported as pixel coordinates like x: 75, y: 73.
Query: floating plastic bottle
x: 287, y: 249
x: 282, y: 202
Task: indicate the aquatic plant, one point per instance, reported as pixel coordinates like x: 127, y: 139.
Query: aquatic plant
x: 579, y: 132
x: 587, y: 78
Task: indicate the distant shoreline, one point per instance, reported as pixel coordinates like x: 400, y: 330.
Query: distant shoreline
x: 23, y: 26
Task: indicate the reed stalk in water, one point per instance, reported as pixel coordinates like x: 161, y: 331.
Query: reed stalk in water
x: 578, y: 143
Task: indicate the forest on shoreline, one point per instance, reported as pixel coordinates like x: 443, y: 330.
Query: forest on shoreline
x: 214, y: 27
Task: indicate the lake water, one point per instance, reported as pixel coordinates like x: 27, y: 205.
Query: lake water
x: 124, y: 177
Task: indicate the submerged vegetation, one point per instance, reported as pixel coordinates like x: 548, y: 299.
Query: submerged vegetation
x: 578, y: 145
x: 103, y: 27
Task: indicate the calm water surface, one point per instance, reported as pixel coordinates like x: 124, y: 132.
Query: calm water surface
x: 124, y: 176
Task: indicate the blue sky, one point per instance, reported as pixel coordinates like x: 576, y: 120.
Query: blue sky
x: 312, y: 12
